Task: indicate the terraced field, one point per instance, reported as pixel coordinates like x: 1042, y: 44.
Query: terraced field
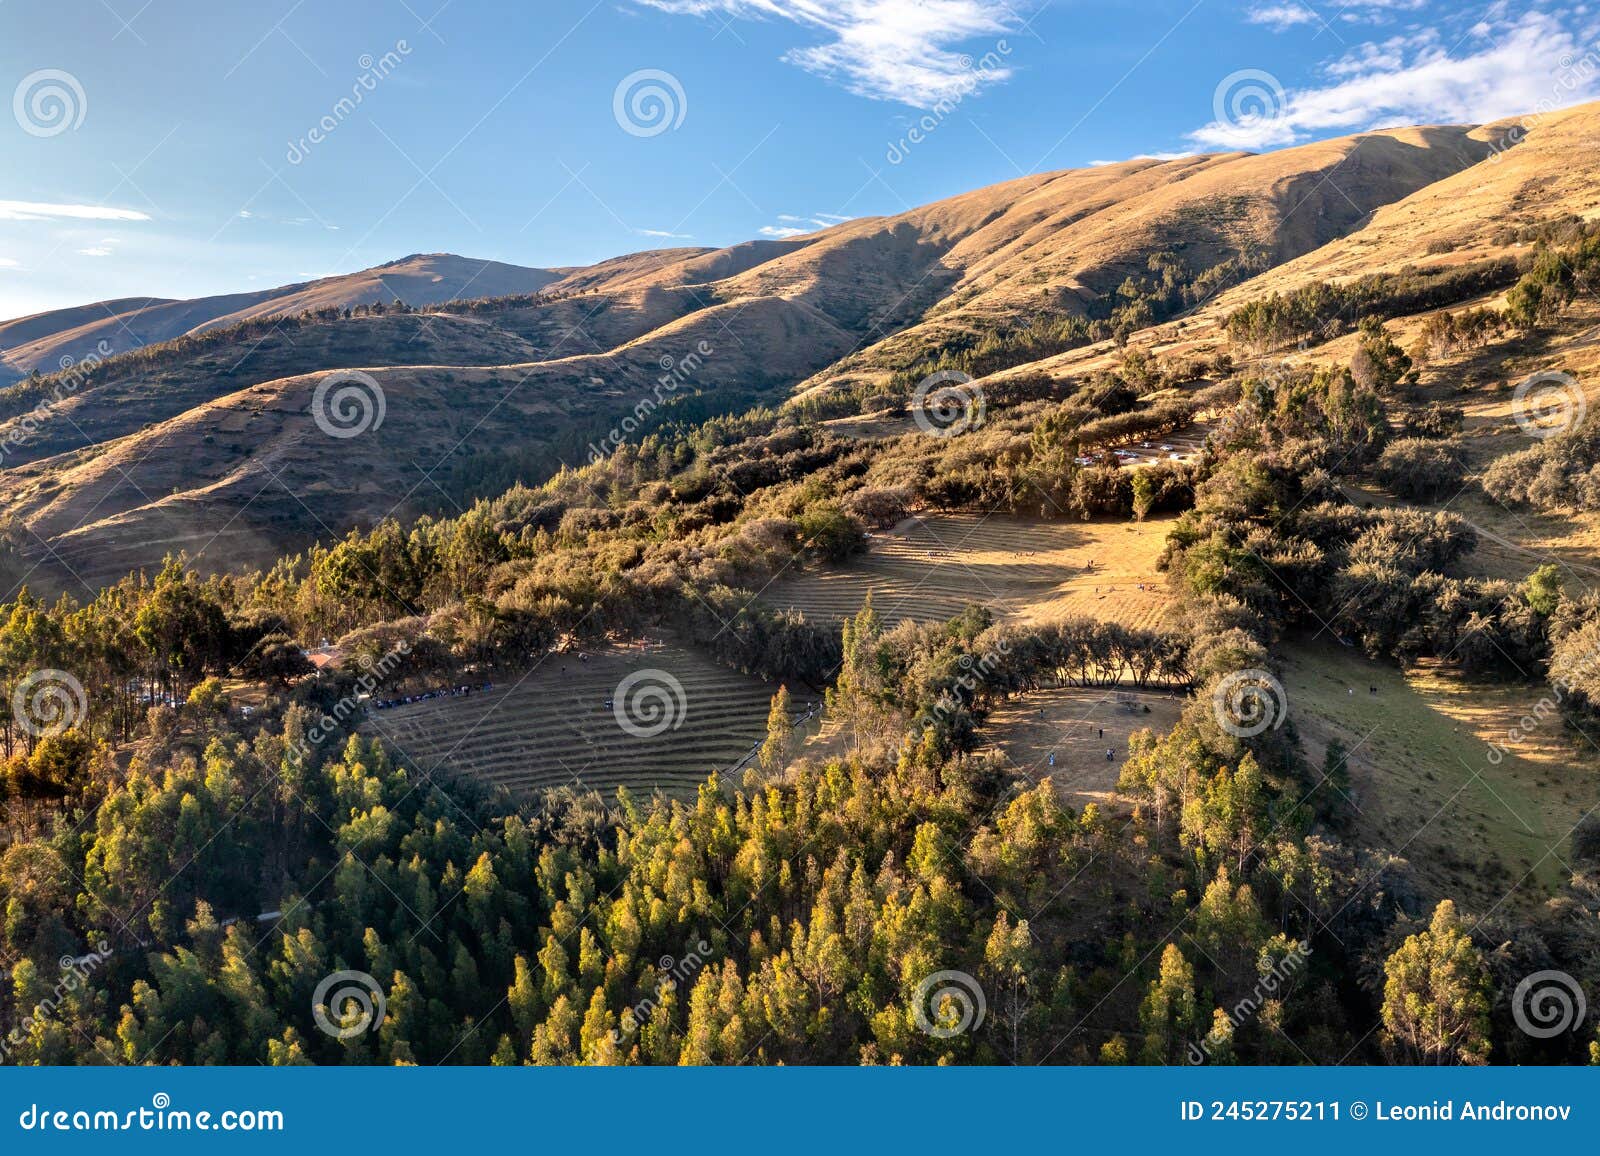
x: 554, y: 727
x: 930, y: 567
x: 1077, y: 725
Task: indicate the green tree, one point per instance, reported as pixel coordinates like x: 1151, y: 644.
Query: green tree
x: 780, y: 730
x: 1436, y: 995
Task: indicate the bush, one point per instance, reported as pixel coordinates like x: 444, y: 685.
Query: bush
x: 1421, y: 469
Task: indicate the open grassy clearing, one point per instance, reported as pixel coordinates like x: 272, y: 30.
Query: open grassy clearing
x: 1077, y: 725
x: 1491, y: 834
x: 553, y: 728
x: 930, y: 567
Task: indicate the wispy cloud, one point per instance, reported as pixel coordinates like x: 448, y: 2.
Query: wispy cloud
x: 790, y: 225
x: 1177, y: 156
x: 900, y: 50
x: 96, y: 251
x: 8, y: 263
x: 664, y: 233
x: 1282, y: 16
x: 46, y: 211
x: 1504, y: 67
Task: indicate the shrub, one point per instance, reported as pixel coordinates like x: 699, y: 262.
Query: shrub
x: 1421, y: 469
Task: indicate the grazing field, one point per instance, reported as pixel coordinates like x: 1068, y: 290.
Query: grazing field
x: 1078, y: 725
x: 552, y: 727
x: 930, y: 567
x: 1494, y: 833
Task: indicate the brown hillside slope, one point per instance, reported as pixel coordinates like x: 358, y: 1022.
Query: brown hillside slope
x: 1052, y: 244
x: 241, y: 479
x: 173, y: 450
x: 41, y: 341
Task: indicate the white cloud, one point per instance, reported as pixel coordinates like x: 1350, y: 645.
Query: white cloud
x: 97, y: 251
x: 664, y: 233
x: 781, y: 232
x: 899, y: 50
x: 1514, y: 66
x: 8, y: 263
x: 1281, y: 17
x: 45, y: 211
x: 1178, y: 156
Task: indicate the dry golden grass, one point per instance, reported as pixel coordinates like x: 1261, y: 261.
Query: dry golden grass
x: 930, y: 567
x: 1077, y: 725
x: 1492, y: 832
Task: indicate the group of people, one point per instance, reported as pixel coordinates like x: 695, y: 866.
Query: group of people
x: 439, y: 692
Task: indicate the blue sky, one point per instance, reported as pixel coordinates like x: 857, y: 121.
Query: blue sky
x: 182, y: 147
